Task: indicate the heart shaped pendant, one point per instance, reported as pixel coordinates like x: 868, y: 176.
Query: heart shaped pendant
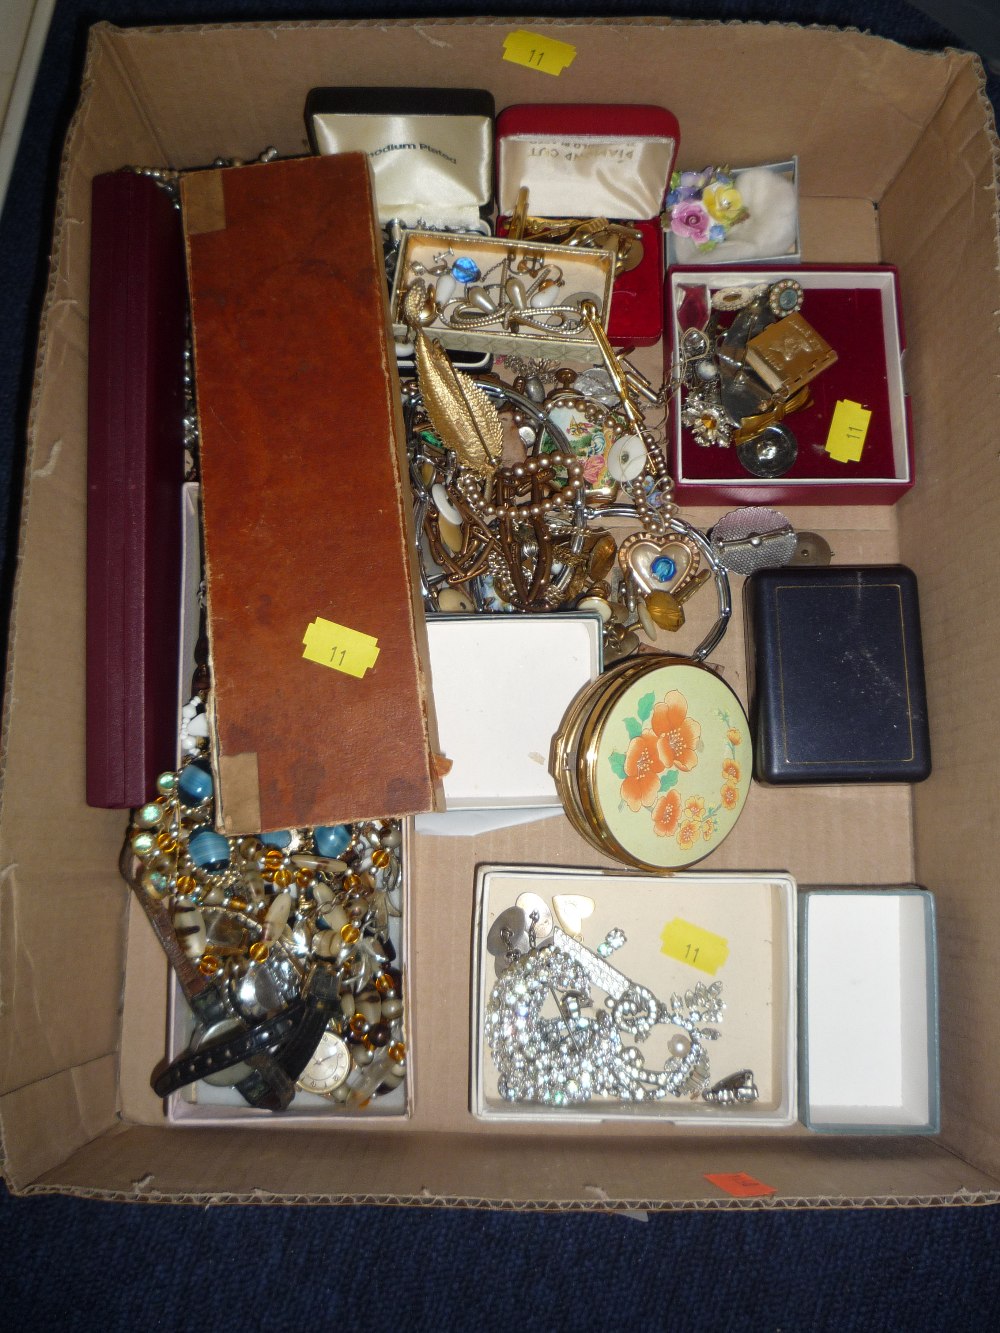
x: 571, y: 910
x: 659, y: 564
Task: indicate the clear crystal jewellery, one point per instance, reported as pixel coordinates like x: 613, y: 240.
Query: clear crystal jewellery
x: 575, y: 1056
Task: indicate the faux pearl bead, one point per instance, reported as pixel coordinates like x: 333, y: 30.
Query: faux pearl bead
x: 481, y: 299
x: 679, y: 1045
x: 516, y: 294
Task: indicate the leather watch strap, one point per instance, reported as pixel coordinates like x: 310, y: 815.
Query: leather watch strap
x: 268, y: 1087
x: 232, y: 1049
x: 322, y: 1002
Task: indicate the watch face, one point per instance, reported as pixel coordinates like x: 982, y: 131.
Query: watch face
x: 328, y: 1068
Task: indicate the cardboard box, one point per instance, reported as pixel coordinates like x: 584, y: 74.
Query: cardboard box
x: 76, y: 1108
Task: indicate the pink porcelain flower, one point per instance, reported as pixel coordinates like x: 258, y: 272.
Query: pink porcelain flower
x: 690, y: 219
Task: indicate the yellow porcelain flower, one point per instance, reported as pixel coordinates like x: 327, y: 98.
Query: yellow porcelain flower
x: 724, y: 202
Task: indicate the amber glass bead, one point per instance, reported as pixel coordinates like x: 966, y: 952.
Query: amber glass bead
x: 358, y: 1026
x: 350, y: 933
x: 186, y: 883
x: 209, y: 965
x: 268, y: 875
x: 166, y: 842
x: 258, y: 951
x: 367, y: 1043
x: 273, y: 858
x: 379, y: 1034
x: 384, y: 984
x: 238, y: 904
x: 283, y: 877
x: 396, y: 1052
x: 352, y: 882
x: 381, y: 858
x: 303, y: 878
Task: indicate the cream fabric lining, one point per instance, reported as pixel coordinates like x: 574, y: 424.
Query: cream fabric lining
x: 586, y: 176
x: 424, y: 166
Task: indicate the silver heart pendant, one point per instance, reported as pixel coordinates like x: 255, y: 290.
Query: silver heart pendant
x: 659, y: 564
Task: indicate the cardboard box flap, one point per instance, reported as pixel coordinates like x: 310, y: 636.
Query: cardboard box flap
x: 453, y: 1170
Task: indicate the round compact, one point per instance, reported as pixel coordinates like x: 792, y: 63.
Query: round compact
x: 653, y: 762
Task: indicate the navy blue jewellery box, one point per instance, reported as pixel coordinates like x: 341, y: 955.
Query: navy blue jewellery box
x: 836, y: 675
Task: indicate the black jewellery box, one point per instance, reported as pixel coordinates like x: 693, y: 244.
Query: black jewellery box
x: 836, y: 675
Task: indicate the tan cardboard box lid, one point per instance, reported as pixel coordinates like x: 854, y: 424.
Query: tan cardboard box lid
x: 920, y: 194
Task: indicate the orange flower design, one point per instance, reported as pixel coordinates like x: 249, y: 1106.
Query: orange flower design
x: 708, y: 830
x: 733, y: 736
x: 730, y: 796
x: 677, y: 733
x: 666, y: 813
x: 687, y: 834
x: 643, y: 767
x: 694, y: 806
x: 731, y: 769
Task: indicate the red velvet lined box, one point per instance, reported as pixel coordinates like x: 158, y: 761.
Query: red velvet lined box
x: 857, y: 311
x: 551, y: 148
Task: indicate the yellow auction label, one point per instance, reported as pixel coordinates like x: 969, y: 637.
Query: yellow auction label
x: 848, y: 431
x: 340, y: 648
x: 541, y: 53
x: 692, y: 945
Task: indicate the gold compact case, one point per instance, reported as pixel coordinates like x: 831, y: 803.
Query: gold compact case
x: 653, y: 762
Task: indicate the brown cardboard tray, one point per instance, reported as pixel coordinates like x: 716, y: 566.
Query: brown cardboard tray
x: 83, y: 1000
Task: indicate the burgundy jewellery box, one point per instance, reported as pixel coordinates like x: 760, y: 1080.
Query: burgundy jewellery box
x: 856, y: 310
x: 596, y: 161
x: 135, y: 470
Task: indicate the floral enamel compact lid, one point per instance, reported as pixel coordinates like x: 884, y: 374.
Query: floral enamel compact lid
x: 664, y: 765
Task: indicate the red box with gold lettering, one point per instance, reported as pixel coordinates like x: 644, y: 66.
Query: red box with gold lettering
x: 608, y: 162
